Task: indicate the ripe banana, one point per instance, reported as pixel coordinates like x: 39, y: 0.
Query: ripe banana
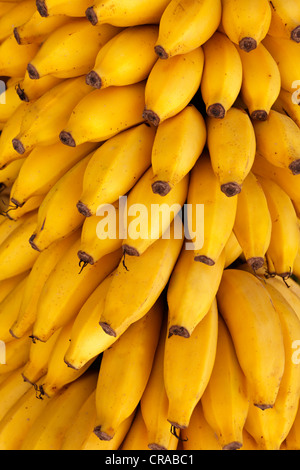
x: 29, y: 90
x: 13, y: 58
x: 256, y: 335
x: 172, y: 84
x: 9, y: 310
x: 106, y: 178
x: 15, y: 213
x: 178, y: 143
x: 16, y: 354
x: 116, y: 62
x: 286, y: 104
x: 137, y: 436
x: 104, y: 113
x: 225, y: 401
x: 11, y: 390
x: 129, y: 297
x: 124, y: 372
x: 246, y: 22
x: 222, y: 75
x: 75, y: 9
x: 18, y: 14
x: 9, y: 226
x: 7, y: 285
x: 182, y: 28
x: 231, y: 144
x: 219, y: 212
x: 8, y: 175
x: 253, y: 223
x: 285, y: 19
x: 188, y: 365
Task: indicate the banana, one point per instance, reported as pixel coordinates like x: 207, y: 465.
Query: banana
x: 42, y: 169
x: 10, y: 104
x: 154, y: 402
x: 37, y: 29
x: 5, y: 7
x: 188, y: 364
x: 219, y: 212
x: 137, y: 436
x: 124, y: 372
x: 40, y: 126
x: 253, y: 223
x: 233, y: 250
x: 61, y: 55
x: 16, y: 254
x: 225, y: 401
x: 16, y: 354
x: 277, y: 139
x: 30, y: 90
x: 66, y: 290
x: 7, y: 285
x: 222, y: 75
x: 125, y: 13
x: 182, y: 28
x: 261, y: 82
x: 285, y: 52
x: 148, y: 216
x: 61, y: 199
x: 76, y: 8
x: 15, y: 16
x: 93, y: 443
x: 37, y: 277
x: 11, y: 390
x: 116, y: 62
x: 256, y: 335
x: 232, y: 146
x: 178, y: 143
x: 13, y: 58
x: 87, y: 338
x: 58, y: 374
x: 8, y: 175
x: 285, y: 19
x: 271, y: 427
x: 9, y: 226
x: 104, y: 113
x: 15, y: 213
x: 286, y: 104
x: 246, y: 23
x: 129, y: 297
x: 191, y: 291
x: 284, y: 241
x: 9, y: 310
x: 47, y: 432
x: 106, y: 178
x: 172, y: 84
x: 293, y: 437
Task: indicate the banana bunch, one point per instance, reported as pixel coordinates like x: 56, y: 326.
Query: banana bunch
x: 149, y: 225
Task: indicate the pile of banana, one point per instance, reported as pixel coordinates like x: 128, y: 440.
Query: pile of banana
x: 150, y: 225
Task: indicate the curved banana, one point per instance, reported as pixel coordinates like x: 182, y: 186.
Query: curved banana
x: 37, y: 29
x: 30, y: 90
x: 104, y: 113
x: 13, y: 58
x: 9, y: 310
x: 15, y: 16
x: 172, y: 84
x: 225, y: 401
x: 106, y: 179
x: 199, y: 435
x: 286, y: 104
x: 246, y: 23
x: 75, y: 9
x: 222, y: 75
x: 182, y: 29
x: 124, y: 372
x: 253, y: 222
x: 188, y: 364
x: 285, y: 21
x: 256, y: 335
x: 178, y: 143
x: 11, y: 390
x: 129, y: 297
x: 232, y: 146
x: 119, y: 62
x: 137, y: 436
x: 16, y: 354
x: 219, y: 212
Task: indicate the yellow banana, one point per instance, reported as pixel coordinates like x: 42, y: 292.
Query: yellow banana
x: 172, y: 84
x: 106, y: 178
x: 44, y: 117
x: 37, y: 29
x: 13, y: 58
x: 116, y: 62
x: 10, y: 103
x: 225, y: 401
x: 233, y: 250
x: 246, y: 22
x: 104, y: 113
x: 253, y: 223
x: 37, y: 277
x: 61, y: 55
x: 178, y: 143
x: 5, y: 7
x: 8, y: 175
x: 66, y: 290
x: 16, y: 354
x: 232, y: 146
x: 137, y: 436
x: 191, y: 292
x: 148, y: 216
x: 92, y: 442
x: 287, y: 104
x: 293, y: 437
x: 182, y: 28
x: 11, y: 390
x: 219, y: 212
x: 7, y: 285
x: 15, y: 213
x: 61, y: 199
x: 76, y: 8
x: 256, y: 335
x: 29, y: 90
x: 15, y: 16
x: 126, y: 13
x: 188, y: 365
x: 284, y: 241
x: 42, y: 169
x: 222, y: 75
x: 124, y: 372
x: 47, y: 432
x: 129, y: 297
x: 9, y: 310
x: 261, y: 82
x: 285, y: 19
x: 9, y: 226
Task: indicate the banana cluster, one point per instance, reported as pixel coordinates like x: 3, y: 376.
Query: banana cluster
x: 156, y: 341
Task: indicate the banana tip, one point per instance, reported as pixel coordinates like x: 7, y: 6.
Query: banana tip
x: 42, y: 8
x: 108, y: 329
x: 32, y: 72
x: 21, y: 93
x: 83, y: 209
x: 231, y: 189
x: 151, y: 117
x: 18, y: 146
x: 17, y: 35
x: 92, y: 79
x: 85, y: 257
x: 161, y: 187
x: 295, y: 35
x: 248, y: 44
x: 130, y: 250
x: 295, y: 167
x: 33, y: 244
x: 91, y: 15
x: 161, y: 52
x: 235, y: 445
x: 259, y: 115
x: 103, y: 436
x: 179, y: 331
x: 67, y: 139
x: 256, y: 263
x: 216, y: 111
x: 205, y: 260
